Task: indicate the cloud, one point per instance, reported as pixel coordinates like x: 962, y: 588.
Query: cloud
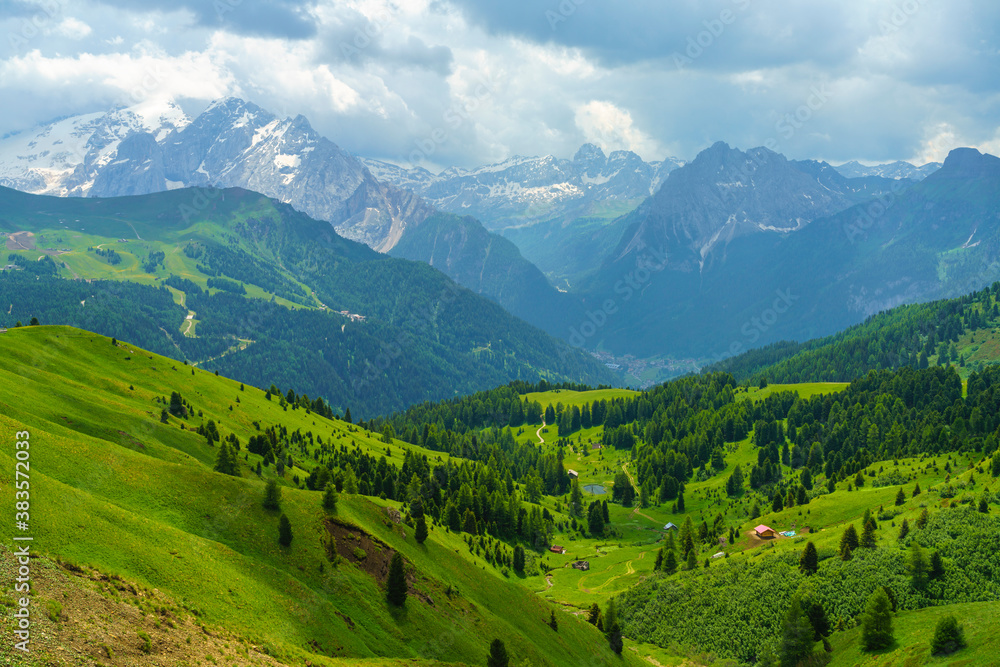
x: 611, y: 128
x: 381, y: 77
x: 266, y: 18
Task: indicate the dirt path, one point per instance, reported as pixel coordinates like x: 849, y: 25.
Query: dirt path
x: 189, y: 321
x: 538, y: 433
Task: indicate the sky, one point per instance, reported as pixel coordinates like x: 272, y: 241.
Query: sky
x: 468, y: 82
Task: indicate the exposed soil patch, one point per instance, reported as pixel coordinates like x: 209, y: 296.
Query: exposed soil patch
x: 371, y: 555
x: 21, y: 241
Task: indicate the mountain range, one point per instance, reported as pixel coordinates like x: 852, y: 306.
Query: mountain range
x: 234, y: 143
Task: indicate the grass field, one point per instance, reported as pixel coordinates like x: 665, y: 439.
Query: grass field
x: 115, y: 489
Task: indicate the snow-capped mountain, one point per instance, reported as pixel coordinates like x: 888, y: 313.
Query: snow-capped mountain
x: 235, y: 143
x: 532, y: 189
x: 64, y: 158
x: 896, y: 170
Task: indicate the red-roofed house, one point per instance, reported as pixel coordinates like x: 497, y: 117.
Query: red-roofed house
x: 764, y: 531
x: 556, y: 549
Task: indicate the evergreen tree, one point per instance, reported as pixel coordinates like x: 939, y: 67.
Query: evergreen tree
x: 615, y: 638
x: 420, y: 532
x: 330, y: 498
x: 396, y: 583
x: 809, y: 562
x: 948, y: 636
x: 918, y: 566
x: 595, y: 614
x: 900, y: 497
x: 936, y: 570
x: 691, y: 562
x: 876, y: 622
x: 347, y: 415
x: 670, y: 562
x: 498, y: 655
x: 916, y: 490
x: 922, y: 519
x: 553, y: 623
x: 272, y: 495
x: 610, y: 617
x: 777, y: 505
x: 519, y: 558
x: 818, y: 619
x: 687, y: 537
x: 859, y: 480
x: 848, y: 542
x: 575, y: 499
x: 595, y: 519
x: 33, y: 322
x: 470, y: 526
x: 659, y: 560
x: 284, y: 531
x: 227, y: 462
x: 680, y: 500
x: 796, y: 635
x: 868, y: 535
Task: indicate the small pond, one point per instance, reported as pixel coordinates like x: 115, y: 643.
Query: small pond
x: 596, y: 489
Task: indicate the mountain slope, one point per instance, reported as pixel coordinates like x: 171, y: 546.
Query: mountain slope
x: 421, y: 335
x: 235, y: 143
x: 898, y: 169
x: 729, y: 285
x: 544, y: 204
x: 130, y: 497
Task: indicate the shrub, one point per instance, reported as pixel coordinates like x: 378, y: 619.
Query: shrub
x: 948, y: 636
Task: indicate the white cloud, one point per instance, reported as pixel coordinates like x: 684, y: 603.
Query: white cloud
x: 612, y: 129
x: 73, y: 28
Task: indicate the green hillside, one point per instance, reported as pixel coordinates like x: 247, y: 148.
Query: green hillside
x: 961, y: 331
x: 123, y: 489
x: 239, y: 283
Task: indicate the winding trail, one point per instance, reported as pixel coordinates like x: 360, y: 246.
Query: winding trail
x: 538, y: 433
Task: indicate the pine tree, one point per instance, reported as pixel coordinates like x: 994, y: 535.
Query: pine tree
x: 396, y: 584
x: 868, y: 535
x: 691, y: 562
x: 470, y: 526
x: 777, y: 504
x: 936, y: 567
x: 498, y: 655
x: 330, y: 498
x: 876, y: 622
x: 796, y: 635
x: 595, y: 614
x: 859, y: 480
x: 272, y: 495
x: 948, y: 636
x: 284, y: 531
x: 227, y: 462
x: 659, y: 560
x: 916, y: 490
x: 420, y: 532
x: 904, y: 529
x: 809, y: 562
x: 900, y: 497
x: 553, y: 623
x: 347, y: 415
x: 918, y: 566
x: 848, y: 542
x: 922, y: 519
x: 615, y: 638
x: 519, y: 558
x: 680, y: 500
x: 670, y: 562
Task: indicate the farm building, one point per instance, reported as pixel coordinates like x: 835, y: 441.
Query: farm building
x: 573, y: 474
x: 670, y: 526
x: 556, y: 549
x: 581, y: 564
x: 764, y: 531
